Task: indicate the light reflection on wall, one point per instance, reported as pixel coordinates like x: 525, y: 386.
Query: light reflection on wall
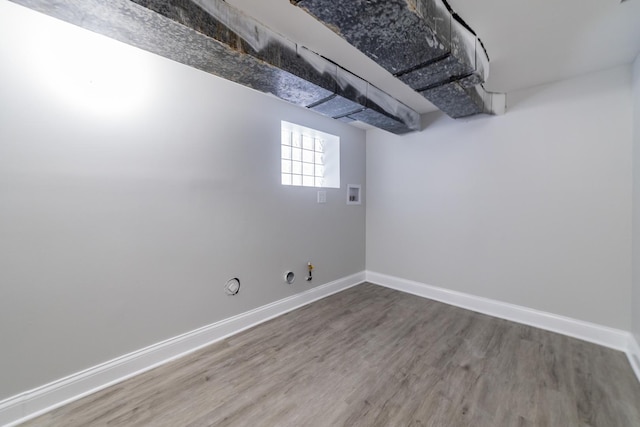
x: 88, y: 72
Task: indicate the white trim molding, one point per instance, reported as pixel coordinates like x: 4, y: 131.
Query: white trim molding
x: 33, y: 403
x: 598, y: 334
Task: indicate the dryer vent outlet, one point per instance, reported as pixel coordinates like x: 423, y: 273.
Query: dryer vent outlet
x: 289, y: 277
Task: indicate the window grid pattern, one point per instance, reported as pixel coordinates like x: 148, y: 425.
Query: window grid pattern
x: 302, y: 159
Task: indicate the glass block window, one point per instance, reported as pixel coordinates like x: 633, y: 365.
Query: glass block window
x: 305, y: 156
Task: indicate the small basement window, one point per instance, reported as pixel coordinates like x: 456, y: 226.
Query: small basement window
x: 309, y: 158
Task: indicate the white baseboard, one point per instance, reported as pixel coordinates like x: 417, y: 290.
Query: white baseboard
x: 598, y: 334
x: 30, y: 404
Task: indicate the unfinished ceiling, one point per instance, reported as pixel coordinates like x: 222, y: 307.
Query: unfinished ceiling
x: 423, y: 43
x: 338, y: 70
x: 529, y: 42
x: 444, y: 60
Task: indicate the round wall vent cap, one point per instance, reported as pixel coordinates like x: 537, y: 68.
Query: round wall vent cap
x: 232, y: 287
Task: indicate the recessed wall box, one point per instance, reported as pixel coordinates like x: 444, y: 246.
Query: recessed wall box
x: 353, y: 194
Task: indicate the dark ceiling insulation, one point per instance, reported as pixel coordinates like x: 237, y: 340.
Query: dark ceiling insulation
x: 421, y: 42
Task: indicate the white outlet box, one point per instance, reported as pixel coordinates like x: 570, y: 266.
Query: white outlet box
x: 322, y: 196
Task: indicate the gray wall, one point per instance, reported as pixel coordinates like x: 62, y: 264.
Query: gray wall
x: 532, y: 208
x: 120, y: 223
x: 636, y: 199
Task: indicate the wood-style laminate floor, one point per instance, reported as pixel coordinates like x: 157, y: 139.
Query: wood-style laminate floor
x: 370, y: 356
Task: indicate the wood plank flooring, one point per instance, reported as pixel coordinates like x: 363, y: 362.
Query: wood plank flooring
x: 371, y: 356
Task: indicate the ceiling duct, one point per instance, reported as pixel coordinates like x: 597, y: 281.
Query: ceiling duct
x: 214, y: 37
x: 421, y: 42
